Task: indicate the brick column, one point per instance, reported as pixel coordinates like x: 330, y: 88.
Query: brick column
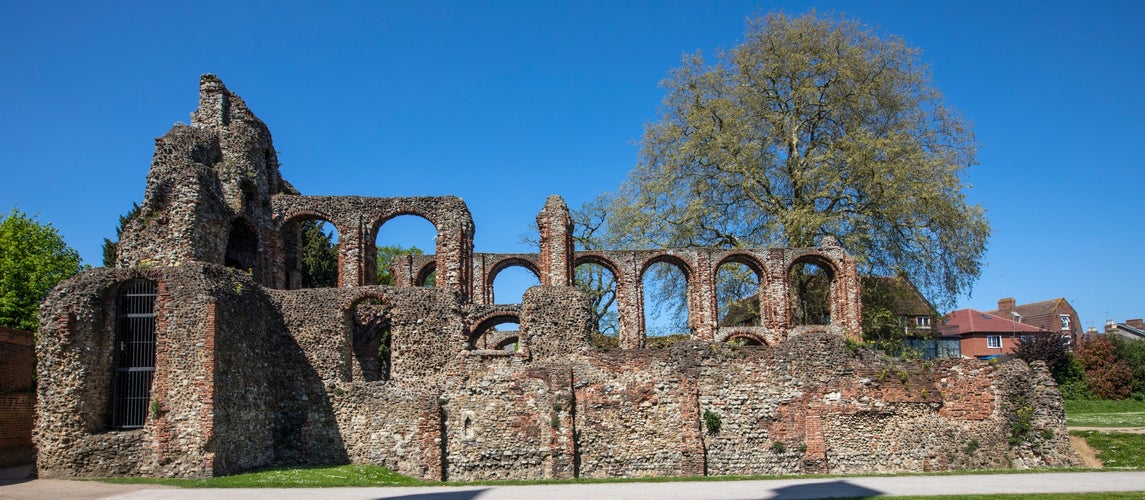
x: 556, y: 255
x: 630, y: 303
x: 703, y: 314
x: 693, y: 456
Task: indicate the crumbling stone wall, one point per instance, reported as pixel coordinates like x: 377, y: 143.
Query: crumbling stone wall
x: 251, y: 372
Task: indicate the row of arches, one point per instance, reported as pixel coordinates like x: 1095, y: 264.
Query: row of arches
x: 639, y: 295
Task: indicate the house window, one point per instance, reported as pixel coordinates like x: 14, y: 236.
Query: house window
x: 922, y: 321
x: 1065, y: 321
x: 134, y: 354
x: 994, y: 341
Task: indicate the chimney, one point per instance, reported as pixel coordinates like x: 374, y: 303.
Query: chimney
x: 1110, y: 325
x: 1135, y: 323
x: 1006, y: 304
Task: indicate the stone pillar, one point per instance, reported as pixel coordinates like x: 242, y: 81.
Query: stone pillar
x: 774, y: 299
x: 703, y: 313
x: 454, y: 252
x: 630, y: 303
x: 556, y: 255
x: 351, y: 253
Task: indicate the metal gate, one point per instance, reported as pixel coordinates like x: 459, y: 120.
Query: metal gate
x: 134, y: 354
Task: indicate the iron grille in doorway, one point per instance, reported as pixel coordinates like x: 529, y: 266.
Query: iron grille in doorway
x: 134, y: 354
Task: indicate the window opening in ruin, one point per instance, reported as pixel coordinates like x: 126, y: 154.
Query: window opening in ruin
x: 745, y: 340
x: 134, y: 354
x: 599, y: 284
x: 737, y: 295
x: 242, y: 247
x: 510, y: 283
x: 810, y: 287
x: 398, y: 236
x: 427, y: 277
x: 311, y: 247
x: 665, y: 303
x: 372, y: 339
x: 500, y: 333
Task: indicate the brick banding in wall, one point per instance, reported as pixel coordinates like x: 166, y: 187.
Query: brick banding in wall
x: 252, y: 372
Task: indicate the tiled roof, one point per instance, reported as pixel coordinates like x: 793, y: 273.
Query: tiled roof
x: 908, y: 301
x: 964, y: 321
x: 1032, y: 309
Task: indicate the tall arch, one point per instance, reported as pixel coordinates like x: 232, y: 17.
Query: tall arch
x: 812, y: 293
x: 689, y: 305
x: 326, y: 269
x: 501, y: 265
x: 738, y: 299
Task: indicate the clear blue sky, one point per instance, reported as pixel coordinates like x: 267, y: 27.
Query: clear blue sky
x: 504, y: 103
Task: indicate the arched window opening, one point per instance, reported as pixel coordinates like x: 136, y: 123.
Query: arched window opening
x: 737, y: 295
x: 745, y: 340
x: 427, y: 277
x: 372, y: 339
x: 311, y: 253
x: 402, y: 235
x: 665, y: 304
x: 500, y: 333
x: 599, y: 284
x: 250, y: 199
x: 134, y: 354
x: 810, y: 286
x: 242, y: 247
x: 510, y: 283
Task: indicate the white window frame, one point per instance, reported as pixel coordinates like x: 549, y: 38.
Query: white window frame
x: 994, y: 341
x: 922, y: 322
x: 1065, y: 320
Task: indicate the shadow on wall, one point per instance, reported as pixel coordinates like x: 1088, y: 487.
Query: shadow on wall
x: 305, y: 427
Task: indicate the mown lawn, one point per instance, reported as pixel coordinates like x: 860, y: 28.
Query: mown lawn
x: 1103, y: 413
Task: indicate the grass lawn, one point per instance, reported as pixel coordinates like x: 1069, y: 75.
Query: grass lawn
x: 1102, y: 413
x: 1117, y: 450
x: 311, y: 477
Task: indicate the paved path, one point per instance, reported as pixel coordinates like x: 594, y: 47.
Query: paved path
x: 1058, y: 482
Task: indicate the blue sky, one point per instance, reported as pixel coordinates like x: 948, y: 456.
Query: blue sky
x: 504, y: 103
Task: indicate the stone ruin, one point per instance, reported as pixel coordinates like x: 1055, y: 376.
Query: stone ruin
x: 199, y: 355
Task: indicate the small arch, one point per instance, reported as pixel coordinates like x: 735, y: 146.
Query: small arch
x: 427, y: 275
x: 242, y: 246
x: 484, y: 335
x: 249, y: 196
x: 746, y: 339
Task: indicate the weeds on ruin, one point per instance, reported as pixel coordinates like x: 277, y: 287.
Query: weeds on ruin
x: 778, y: 447
x: 712, y: 421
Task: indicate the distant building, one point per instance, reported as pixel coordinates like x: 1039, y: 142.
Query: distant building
x: 1054, y: 315
x: 1133, y: 329
x: 983, y: 335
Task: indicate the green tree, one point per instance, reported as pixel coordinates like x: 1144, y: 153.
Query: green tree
x: 812, y: 126
x: 33, y: 259
x: 319, y: 256
x: 386, y: 255
x: 110, y: 248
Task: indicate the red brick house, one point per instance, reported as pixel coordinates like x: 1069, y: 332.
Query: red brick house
x: 984, y: 335
x: 1054, y: 315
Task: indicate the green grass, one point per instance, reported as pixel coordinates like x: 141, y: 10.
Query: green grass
x: 312, y: 477
x: 1117, y: 450
x: 1104, y: 413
